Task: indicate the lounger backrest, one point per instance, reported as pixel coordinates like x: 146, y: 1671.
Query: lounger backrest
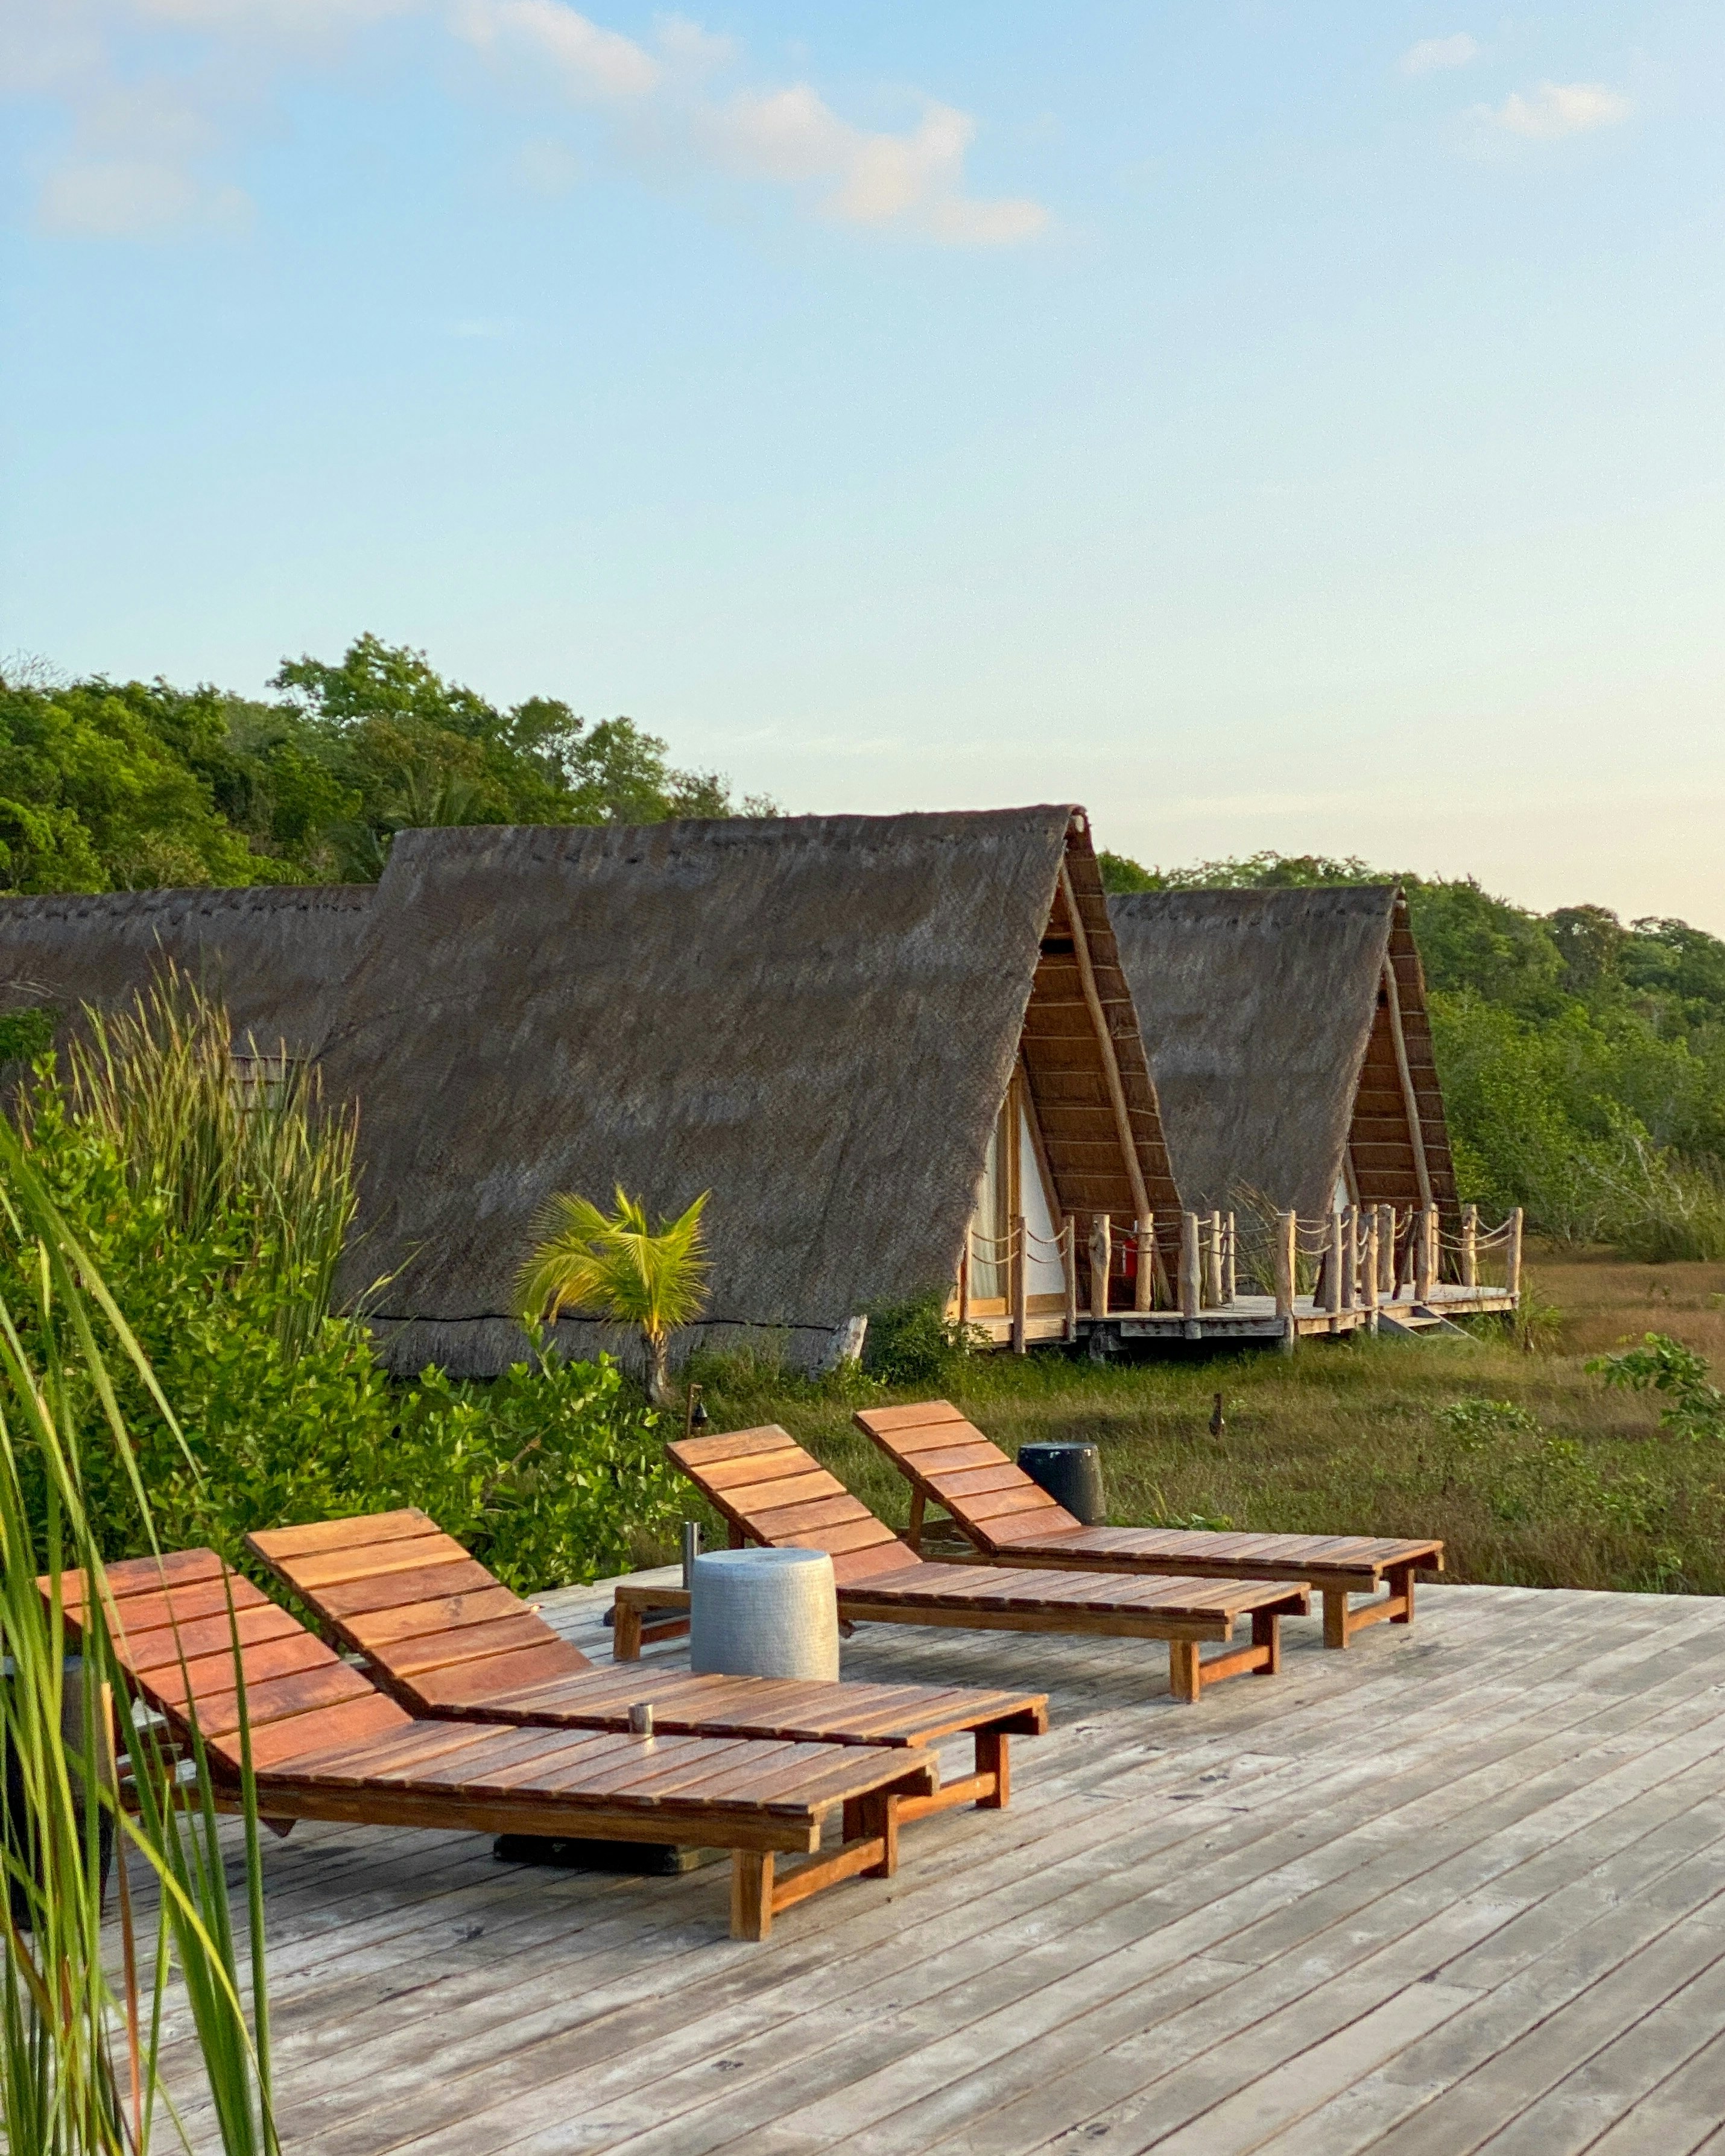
x: 438, y: 1628
x: 772, y: 1491
x: 170, y: 1623
x: 955, y: 1466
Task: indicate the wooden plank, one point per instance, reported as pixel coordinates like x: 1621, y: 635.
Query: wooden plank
x: 364, y: 1529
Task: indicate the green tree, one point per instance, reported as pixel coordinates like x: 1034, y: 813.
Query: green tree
x: 618, y: 1267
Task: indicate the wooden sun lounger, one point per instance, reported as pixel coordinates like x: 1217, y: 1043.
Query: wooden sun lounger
x: 327, y: 1744
x: 771, y: 1490
x: 1013, y: 1521
x: 444, y: 1637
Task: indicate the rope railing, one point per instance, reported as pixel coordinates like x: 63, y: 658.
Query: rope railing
x: 1356, y: 1259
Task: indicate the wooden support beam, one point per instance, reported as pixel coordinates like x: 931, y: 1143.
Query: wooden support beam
x: 1386, y: 1252
x: 1369, y: 1264
x: 1190, y: 1291
x: 1144, y: 1282
x: 1069, y: 1260
x: 1018, y: 1262
x: 1333, y: 1269
x: 1424, y: 1239
x: 1104, y: 1039
x: 1470, y: 1246
x: 1230, y: 1282
x: 1514, y: 1252
x: 1102, y: 1261
x: 1410, y: 1099
x: 1213, y: 1263
x: 1288, y: 1234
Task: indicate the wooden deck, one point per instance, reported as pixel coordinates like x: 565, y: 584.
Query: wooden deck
x: 1460, y: 1888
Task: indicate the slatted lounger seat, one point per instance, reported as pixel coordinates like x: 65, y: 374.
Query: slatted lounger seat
x: 1013, y: 1521
x: 444, y: 1637
x: 771, y: 1490
x: 327, y: 1744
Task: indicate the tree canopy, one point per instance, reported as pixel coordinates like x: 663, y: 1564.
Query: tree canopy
x: 1582, y: 1056
x: 109, y: 786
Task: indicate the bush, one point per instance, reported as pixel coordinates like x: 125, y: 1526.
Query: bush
x: 915, y: 1343
x: 216, y: 1230
x: 1694, y: 1407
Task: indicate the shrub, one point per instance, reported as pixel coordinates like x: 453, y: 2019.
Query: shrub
x: 915, y: 1343
x: 1694, y: 1407
x: 215, y: 1217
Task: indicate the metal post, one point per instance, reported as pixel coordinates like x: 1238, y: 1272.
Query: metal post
x: 692, y: 1550
x: 1102, y: 1260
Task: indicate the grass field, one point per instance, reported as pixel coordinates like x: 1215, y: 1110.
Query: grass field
x: 1354, y: 1436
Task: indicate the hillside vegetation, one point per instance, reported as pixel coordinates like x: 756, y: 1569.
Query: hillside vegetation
x: 1583, y: 1057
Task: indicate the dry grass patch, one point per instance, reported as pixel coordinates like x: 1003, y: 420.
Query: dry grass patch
x: 1564, y: 1484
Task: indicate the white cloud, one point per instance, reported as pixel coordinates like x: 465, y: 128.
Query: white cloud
x: 1557, y: 109
x: 145, y: 152
x: 914, y: 179
x: 588, y: 62
x: 1432, y: 55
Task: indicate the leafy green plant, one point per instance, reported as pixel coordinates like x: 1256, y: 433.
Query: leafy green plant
x: 1693, y: 1406
x: 618, y: 1267
x: 80, y: 2060
x: 26, y: 1033
x: 915, y: 1343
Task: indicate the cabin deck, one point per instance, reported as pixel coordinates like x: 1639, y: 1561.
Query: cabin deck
x: 1254, y: 1317
x: 1455, y: 1889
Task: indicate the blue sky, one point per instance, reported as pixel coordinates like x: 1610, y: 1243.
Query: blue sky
x: 1290, y: 425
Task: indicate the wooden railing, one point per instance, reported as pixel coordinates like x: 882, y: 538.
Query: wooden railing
x: 1361, y: 1258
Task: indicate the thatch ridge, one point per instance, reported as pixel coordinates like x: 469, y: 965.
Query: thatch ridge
x: 276, y: 954
x: 814, y: 1017
x: 1256, y: 1007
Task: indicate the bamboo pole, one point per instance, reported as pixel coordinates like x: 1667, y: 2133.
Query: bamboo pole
x: 1288, y: 1234
x: 1470, y: 1246
x: 1017, y: 1257
x: 1190, y: 1294
x: 1426, y: 1221
x: 1102, y: 1260
x: 1070, y: 1261
x: 1350, y: 1258
x: 1213, y: 1263
x: 1410, y: 1098
x: 1513, y: 1252
x: 1144, y: 1284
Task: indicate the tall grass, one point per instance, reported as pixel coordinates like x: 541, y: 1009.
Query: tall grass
x: 80, y: 2043
x: 189, y: 1117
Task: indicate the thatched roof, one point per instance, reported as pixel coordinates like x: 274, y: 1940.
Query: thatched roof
x: 815, y: 1018
x: 1269, y: 1029
x: 276, y: 954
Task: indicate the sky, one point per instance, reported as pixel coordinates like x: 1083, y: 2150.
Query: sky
x: 1272, y: 423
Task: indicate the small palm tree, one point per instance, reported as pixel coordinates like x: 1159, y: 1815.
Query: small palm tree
x: 618, y: 1266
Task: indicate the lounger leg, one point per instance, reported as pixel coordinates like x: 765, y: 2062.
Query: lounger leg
x: 1183, y: 1677
x: 1401, y: 1584
x: 879, y: 1820
x: 919, y: 1508
x: 1266, y: 1632
x: 992, y: 1757
x: 751, y: 1893
x: 1335, y: 1616
x: 626, y: 1634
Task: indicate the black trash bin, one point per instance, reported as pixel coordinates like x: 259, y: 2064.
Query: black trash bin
x: 1071, y: 1475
